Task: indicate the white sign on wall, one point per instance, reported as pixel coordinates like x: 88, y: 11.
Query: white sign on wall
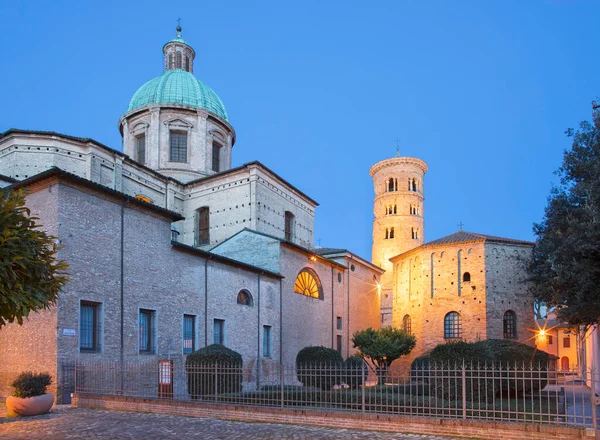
x: 69, y: 332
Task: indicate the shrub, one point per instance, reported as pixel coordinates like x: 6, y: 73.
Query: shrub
x: 319, y: 367
x: 29, y: 384
x: 354, y: 372
x: 419, y: 368
x: 526, y: 366
x: 446, y: 360
x: 492, y: 367
x: 215, y: 369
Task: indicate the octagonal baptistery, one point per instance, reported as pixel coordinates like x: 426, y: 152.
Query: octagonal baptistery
x: 175, y: 123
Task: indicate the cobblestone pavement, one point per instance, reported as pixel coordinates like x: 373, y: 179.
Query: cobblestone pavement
x: 64, y: 422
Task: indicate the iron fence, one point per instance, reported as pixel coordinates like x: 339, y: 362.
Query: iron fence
x: 507, y: 392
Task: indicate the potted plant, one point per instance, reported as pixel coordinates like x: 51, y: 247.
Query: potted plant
x: 30, y: 397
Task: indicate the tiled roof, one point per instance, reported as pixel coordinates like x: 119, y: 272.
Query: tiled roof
x: 462, y: 236
x: 329, y: 251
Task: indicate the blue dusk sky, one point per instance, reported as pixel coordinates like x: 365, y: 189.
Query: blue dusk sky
x: 319, y: 90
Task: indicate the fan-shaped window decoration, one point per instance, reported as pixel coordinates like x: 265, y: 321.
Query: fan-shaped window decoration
x: 143, y: 198
x: 308, y: 283
x: 244, y: 298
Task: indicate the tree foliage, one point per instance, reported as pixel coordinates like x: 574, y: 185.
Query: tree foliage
x: 31, y: 276
x: 565, y: 266
x: 383, y: 346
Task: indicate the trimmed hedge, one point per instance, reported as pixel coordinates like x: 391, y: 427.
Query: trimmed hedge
x: 319, y: 367
x: 215, y: 369
x: 494, y: 367
x: 29, y: 384
x: 354, y: 372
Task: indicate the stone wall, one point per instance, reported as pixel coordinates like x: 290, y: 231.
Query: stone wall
x: 430, y: 282
x: 33, y: 346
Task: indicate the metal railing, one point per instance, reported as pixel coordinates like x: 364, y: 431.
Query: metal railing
x: 506, y: 393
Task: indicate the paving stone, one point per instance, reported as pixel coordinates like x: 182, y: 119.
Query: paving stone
x: 64, y: 422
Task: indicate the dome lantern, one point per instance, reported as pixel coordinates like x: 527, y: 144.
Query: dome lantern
x: 178, y: 54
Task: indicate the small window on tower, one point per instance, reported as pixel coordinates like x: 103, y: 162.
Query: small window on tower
x: 178, y: 62
x: 202, y: 226
x: 216, y: 156
x: 170, y: 66
x: 466, y: 277
x: 391, y: 184
x: 391, y: 232
x: 140, y: 148
x: 187, y: 64
x: 289, y: 226
x: 414, y: 185
x: 178, y: 150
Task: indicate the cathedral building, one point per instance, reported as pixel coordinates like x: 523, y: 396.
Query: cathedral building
x: 170, y: 248
x: 464, y: 286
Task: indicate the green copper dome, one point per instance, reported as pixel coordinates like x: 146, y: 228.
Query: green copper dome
x: 177, y: 86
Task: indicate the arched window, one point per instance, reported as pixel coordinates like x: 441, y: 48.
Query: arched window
x: 308, y: 284
x: 387, y: 233
x: 392, y: 232
x: 289, y: 226
x: 391, y: 185
x: 395, y: 209
x: 510, y: 325
x: 452, y: 326
x: 178, y: 63
x: 170, y: 61
x: 187, y: 64
x: 414, y: 185
x: 466, y: 277
x: 244, y: 298
x: 406, y: 324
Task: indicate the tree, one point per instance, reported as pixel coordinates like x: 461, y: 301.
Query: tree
x: 565, y: 265
x: 31, y: 276
x: 382, y: 347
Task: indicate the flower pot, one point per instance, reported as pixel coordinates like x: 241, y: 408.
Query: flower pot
x: 29, y: 406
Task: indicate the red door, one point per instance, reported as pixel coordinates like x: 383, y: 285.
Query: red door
x: 564, y: 363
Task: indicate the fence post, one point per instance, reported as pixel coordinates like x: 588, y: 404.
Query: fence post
x: 364, y: 383
x: 281, y: 378
x: 216, y: 383
x: 593, y: 400
x: 115, y: 379
x: 464, y: 391
x: 75, y: 378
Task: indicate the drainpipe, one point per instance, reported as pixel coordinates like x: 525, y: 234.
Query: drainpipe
x: 258, y: 372
x: 206, y: 302
x: 332, y: 313
x: 348, y: 311
x: 281, y: 324
x: 122, y: 258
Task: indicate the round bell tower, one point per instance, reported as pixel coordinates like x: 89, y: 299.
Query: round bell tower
x: 398, y: 225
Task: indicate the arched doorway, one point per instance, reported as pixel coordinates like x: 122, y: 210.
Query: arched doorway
x: 564, y: 363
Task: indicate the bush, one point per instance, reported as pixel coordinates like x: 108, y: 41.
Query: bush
x: 526, y: 366
x: 215, y: 369
x: 419, y: 368
x: 510, y: 368
x: 319, y: 367
x: 354, y: 372
x: 29, y: 384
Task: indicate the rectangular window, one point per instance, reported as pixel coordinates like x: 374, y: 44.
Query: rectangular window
x: 140, y: 148
x: 566, y: 342
x: 289, y: 226
x: 178, y: 150
x: 549, y: 340
x: 203, y: 226
x: 216, y: 157
x: 219, y: 331
x: 147, y: 331
x: 267, y: 343
x: 339, y: 322
x: 339, y: 343
x: 189, y: 333
x: 89, y: 326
